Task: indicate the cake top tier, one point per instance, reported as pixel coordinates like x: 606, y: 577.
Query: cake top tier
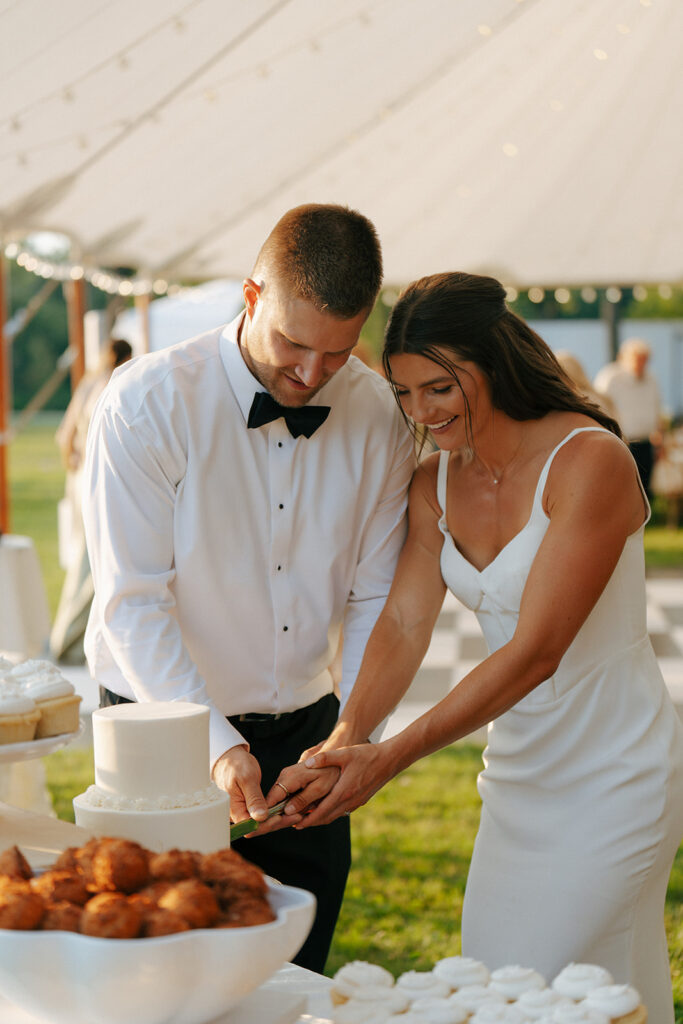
x: 151, y: 750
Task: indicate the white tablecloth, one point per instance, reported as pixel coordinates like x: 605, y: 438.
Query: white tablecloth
x: 292, y: 996
x: 24, y: 614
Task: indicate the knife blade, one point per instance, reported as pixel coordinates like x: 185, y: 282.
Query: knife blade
x: 243, y: 828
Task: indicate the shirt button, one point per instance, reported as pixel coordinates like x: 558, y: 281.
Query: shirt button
x: 279, y: 444
x: 285, y: 628
x: 279, y: 568
x: 281, y: 506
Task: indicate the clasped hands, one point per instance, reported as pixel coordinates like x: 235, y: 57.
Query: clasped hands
x: 323, y: 785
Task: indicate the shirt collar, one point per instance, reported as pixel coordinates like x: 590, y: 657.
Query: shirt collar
x: 244, y: 384
x: 242, y: 381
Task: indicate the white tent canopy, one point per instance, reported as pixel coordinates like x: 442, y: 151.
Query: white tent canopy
x: 537, y: 140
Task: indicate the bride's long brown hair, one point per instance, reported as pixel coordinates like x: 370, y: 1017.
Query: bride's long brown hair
x: 467, y: 314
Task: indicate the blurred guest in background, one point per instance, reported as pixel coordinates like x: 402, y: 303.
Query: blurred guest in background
x: 66, y: 638
x: 635, y: 394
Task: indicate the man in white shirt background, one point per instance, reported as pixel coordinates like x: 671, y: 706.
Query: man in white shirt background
x: 245, y: 497
x: 635, y: 394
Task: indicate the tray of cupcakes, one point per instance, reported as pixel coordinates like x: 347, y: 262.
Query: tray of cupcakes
x: 38, y: 710
x: 460, y: 990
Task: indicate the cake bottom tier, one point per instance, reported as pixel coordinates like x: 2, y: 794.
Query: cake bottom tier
x: 204, y: 828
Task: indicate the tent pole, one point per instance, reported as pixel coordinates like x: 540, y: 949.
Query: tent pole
x: 75, y: 309
x: 4, y: 403
x: 142, y: 306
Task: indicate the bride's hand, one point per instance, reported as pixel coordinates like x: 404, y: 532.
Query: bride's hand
x: 363, y: 769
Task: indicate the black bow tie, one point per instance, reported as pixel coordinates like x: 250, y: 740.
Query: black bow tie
x: 306, y: 420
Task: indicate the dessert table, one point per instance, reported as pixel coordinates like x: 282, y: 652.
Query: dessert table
x: 292, y: 995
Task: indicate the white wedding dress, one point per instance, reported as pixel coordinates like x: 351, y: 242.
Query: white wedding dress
x: 582, y: 788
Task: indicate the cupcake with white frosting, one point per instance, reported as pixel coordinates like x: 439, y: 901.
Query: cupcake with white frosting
x: 359, y: 1013
x: 355, y: 975
x: 538, y: 1003
x: 457, y: 971
x: 422, y: 983
x: 19, y: 716
x: 575, y: 1013
x: 511, y: 981
x: 436, y: 1010
x: 392, y: 1000
x: 473, y: 997
x: 503, y: 1013
x: 620, y: 1003
x: 54, y: 696
x: 577, y: 980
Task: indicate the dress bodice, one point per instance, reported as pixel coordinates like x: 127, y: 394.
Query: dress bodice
x: 617, y: 621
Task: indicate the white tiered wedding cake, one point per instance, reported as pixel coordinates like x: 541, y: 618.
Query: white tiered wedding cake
x: 152, y: 781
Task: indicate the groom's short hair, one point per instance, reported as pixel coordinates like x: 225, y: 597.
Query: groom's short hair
x: 325, y: 254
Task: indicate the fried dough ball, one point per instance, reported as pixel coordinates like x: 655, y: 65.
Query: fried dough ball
x: 246, y: 911
x: 58, y: 885
x: 19, y: 907
x: 160, y: 921
x: 62, y: 917
x: 83, y: 855
x: 144, y: 904
x: 110, y: 915
x: 14, y: 864
x: 194, y: 901
x: 120, y: 865
x: 173, y: 865
x: 153, y: 892
x: 67, y: 860
x: 229, y: 867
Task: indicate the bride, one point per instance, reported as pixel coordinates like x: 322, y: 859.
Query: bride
x: 532, y: 514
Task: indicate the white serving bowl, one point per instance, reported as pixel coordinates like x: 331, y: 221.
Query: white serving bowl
x: 187, y: 978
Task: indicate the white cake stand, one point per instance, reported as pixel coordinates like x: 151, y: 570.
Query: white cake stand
x: 31, y: 749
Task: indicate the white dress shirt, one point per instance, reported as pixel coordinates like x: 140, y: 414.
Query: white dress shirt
x: 636, y: 400
x: 227, y: 560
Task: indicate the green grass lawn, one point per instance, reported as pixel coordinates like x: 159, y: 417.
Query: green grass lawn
x: 412, y: 843
x: 36, y: 485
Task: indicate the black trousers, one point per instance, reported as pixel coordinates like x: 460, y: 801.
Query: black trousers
x: 644, y: 454
x: 316, y: 859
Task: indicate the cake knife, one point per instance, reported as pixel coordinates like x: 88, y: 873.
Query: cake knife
x: 242, y: 828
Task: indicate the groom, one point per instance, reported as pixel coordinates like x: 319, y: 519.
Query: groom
x: 245, y: 499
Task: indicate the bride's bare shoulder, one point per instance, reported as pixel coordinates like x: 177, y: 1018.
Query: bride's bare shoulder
x: 423, y: 486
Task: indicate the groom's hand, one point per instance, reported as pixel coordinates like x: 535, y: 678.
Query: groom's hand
x: 239, y: 774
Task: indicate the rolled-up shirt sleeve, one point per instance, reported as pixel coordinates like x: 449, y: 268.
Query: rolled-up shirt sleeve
x: 131, y: 477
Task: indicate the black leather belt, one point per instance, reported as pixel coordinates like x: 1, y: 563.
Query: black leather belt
x: 256, y: 717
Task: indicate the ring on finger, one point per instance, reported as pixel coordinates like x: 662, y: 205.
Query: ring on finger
x: 283, y: 788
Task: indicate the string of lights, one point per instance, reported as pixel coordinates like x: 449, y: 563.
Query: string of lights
x: 114, y: 283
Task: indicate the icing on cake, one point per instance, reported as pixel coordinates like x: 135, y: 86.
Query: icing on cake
x: 152, y: 781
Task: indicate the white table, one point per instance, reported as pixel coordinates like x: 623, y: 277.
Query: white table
x: 292, y: 996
